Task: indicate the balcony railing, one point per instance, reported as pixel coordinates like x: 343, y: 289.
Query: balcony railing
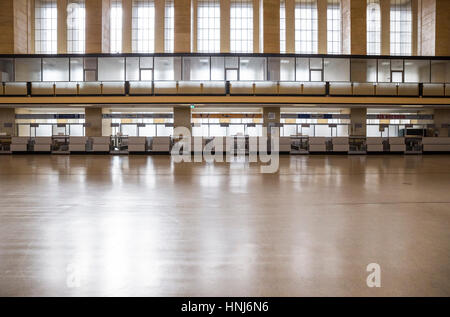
x: 223, y: 88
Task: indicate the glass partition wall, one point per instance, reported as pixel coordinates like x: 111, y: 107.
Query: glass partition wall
x: 222, y: 68
x: 226, y: 68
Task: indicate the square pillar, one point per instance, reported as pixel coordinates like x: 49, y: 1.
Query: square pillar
x: 225, y: 26
x: 358, y: 122
x: 62, y: 26
x: 385, y: 27
x: 271, y: 118
x: 441, y: 122
x: 160, y: 14
x: 93, y: 120
x: 271, y: 26
x: 7, y: 121
x: 434, y: 27
x: 322, y: 6
x: 182, y: 117
x: 182, y: 15
x: 354, y: 27
x: 16, y: 27
x: 98, y: 26
x: 126, y: 25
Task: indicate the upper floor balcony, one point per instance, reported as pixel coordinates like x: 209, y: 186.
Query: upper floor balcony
x: 224, y: 74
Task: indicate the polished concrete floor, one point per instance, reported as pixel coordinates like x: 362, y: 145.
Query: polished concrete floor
x: 145, y: 226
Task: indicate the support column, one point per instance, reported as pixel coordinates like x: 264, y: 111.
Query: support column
x: 257, y: 45
x: 182, y: 117
x: 441, y: 122
x: 98, y: 26
x: 182, y: 35
x: 358, y: 122
x: 159, y: 25
x: 62, y: 26
x: 7, y: 121
x: 271, y: 26
x: 385, y: 27
x: 290, y: 26
x: 354, y: 27
x: 225, y: 26
x: 15, y: 27
x: 127, y: 26
x: 271, y: 118
x: 322, y: 26
x: 415, y: 25
x: 435, y: 27
x: 93, y: 120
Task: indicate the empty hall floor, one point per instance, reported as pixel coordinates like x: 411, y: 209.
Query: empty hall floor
x: 146, y: 226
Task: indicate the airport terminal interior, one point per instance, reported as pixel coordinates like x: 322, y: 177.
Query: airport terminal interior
x: 350, y: 97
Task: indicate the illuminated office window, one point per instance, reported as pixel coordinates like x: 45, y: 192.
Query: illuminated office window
x: 401, y: 27
x: 283, y: 26
x: 76, y: 26
x: 143, y: 26
x: 334, y: 34
x: 373, y: 27
x: 208, y: 26
x: 116, y: 26
x: 46, y: 24
x: 241, y: 26
x: 306, y: 27
x: 169, y: 28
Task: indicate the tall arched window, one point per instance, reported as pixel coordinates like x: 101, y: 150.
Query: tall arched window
x: 143, y: 26
x: 208, y: 26
x: 373, y: 27
x: 116, y: 26
x: 334, y: 27
x: 76, y: 26
x: 401, y: 27
x: 46, y: 25
x: 241, y: 26
x: 306, y: 27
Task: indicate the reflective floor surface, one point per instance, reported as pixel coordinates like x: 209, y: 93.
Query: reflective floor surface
x: 145, y: 226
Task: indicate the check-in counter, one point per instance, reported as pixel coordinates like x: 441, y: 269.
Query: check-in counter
x: 441, y: 144
x: 160, y: 144
x: 77, y: 144
x: 19, y: 144
x: 375, y: 144
x: 397, y: 145
x: 42, y: 144
x: 101, y: 143
x: 318, y: 144
x: 340, y: 144
x: 285, y: 144
x: 137, y: 144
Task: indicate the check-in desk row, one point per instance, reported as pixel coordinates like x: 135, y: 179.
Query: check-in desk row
x: 360, y: 145
x: 66, y: 144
